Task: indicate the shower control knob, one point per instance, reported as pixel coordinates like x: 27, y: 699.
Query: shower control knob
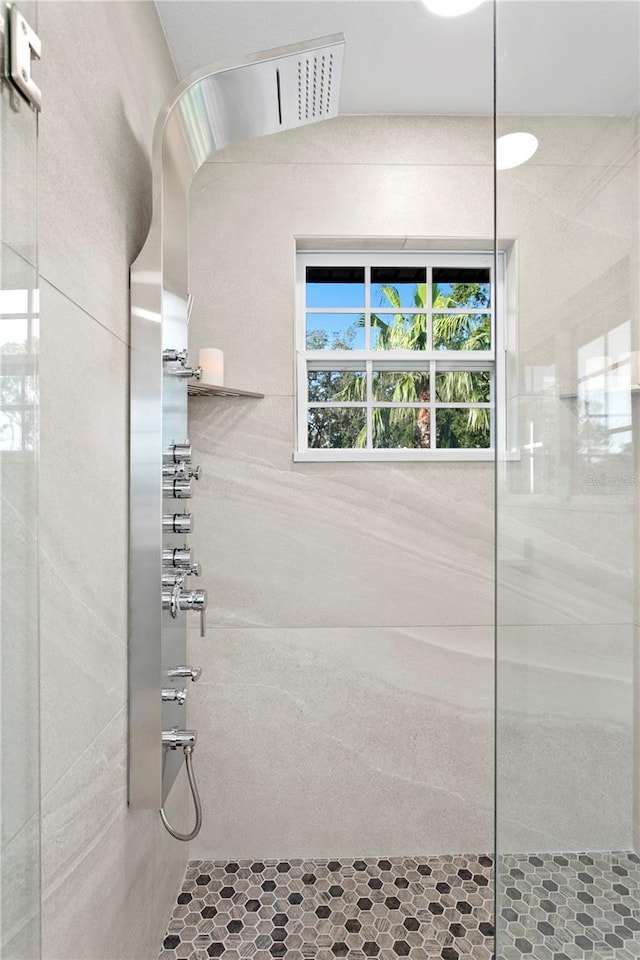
x: 179, y: 453
x: 177, y: 522
x: 176, y: 471
x: 172, y: 578
x: 171, y: 597
x: 193, y: 673
x: 195, y: 600
x: 175, y: 738
x: 180, y: 557
x: 194, y: 373
x: 179, y: 489
x: 176, y: 600
x: 195, y: 472
x: 175, y: 356
x: 170, y: 693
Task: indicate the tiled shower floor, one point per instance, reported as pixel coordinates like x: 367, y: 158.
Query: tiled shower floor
x: 569, y: 906
x: 327, y: 909
x: 552, y: 907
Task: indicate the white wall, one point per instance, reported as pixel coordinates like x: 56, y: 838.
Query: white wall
x: 109, y: 875
x: 346, y: 702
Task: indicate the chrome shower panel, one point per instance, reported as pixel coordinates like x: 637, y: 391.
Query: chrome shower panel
x: 230, y: 102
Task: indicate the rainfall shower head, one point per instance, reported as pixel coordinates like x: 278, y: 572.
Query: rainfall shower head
x: 264, y: 93
x: 314, y: 86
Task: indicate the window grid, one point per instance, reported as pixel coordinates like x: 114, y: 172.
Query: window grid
x: 429, y: 359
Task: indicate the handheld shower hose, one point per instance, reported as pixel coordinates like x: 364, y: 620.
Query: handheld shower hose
x: 188, y: 760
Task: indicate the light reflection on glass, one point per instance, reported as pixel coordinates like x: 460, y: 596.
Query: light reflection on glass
x: 18, y: 348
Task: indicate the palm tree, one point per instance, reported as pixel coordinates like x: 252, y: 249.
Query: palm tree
x: 463, y: 331
x: 411, y: 427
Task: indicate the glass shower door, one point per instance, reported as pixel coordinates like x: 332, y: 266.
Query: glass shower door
x: 19, y: 719
x: 568, y: 484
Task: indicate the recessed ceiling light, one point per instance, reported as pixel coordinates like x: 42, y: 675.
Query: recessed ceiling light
x: 515, y: 148
x: 451, y: 8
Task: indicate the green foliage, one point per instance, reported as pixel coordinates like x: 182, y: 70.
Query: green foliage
x: 401, y: 427
x: 323, y: 340
x: 401, y: 332
x: 335, y: 427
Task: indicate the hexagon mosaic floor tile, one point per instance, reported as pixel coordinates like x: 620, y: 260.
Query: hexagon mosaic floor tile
x: 551, y: 907
x: 328, y: 909
x: 569, y: 906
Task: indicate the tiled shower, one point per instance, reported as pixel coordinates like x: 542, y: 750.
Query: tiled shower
x: 416, y: 729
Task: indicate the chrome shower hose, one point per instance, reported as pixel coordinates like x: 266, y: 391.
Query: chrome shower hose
x: 188, y: 759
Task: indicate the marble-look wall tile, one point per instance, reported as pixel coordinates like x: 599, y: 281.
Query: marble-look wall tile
x: 83, y: 506
x: 21, y: 882
x: 357, y: 715
x: 399, y: 545
x: 574, y: 227
x: 636, y: 738
x: 119, y: 909
x: 94, y: 145
x: 371, y: 140
x: 104, y: 885
x: 19, y: 655
x: 565, y: 509
x: 109, y: 874
x: 564, y: 555
x: 564, y: 563
x: 576, y: 141
x: 249, y: 214
x: 18, y: 169
x: 564, y: 737
x: 344, y: 742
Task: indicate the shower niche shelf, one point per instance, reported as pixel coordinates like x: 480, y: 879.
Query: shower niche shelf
x: 196, y: 389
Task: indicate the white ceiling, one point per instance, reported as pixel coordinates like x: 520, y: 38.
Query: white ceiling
x: 554, y: 56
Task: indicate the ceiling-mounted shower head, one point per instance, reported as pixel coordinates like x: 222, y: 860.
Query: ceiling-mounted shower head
x: 301, y: 82
x: 264, y: 93
x: 317, y: 83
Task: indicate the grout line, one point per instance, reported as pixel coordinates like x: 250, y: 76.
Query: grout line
x: 398, y: 163
x: 18, y: 253
x: 80, y: 307
x: 420, y: 626
x: 345, y: 163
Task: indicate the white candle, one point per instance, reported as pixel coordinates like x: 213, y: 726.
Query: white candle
x: 212, y: 362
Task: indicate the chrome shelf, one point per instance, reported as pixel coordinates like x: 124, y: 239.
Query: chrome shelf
x: 195, y: 389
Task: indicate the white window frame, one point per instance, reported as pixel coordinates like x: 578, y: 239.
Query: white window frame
x: 480, y: 360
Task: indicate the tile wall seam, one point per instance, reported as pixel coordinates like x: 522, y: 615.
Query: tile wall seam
x: 354, y: 163
x: 79, y: 306
x: 385, y: 163
x: 9, y: 246
x: 367, y: 626
x: 359, y: 626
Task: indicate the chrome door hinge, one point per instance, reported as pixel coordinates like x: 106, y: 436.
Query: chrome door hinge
x: 23, y: 45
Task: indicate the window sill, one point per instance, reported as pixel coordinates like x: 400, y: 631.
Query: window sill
x: 391, y: 456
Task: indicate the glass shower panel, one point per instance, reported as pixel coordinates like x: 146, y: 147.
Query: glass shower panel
x: 568, y: 483
x: 19, y: 679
